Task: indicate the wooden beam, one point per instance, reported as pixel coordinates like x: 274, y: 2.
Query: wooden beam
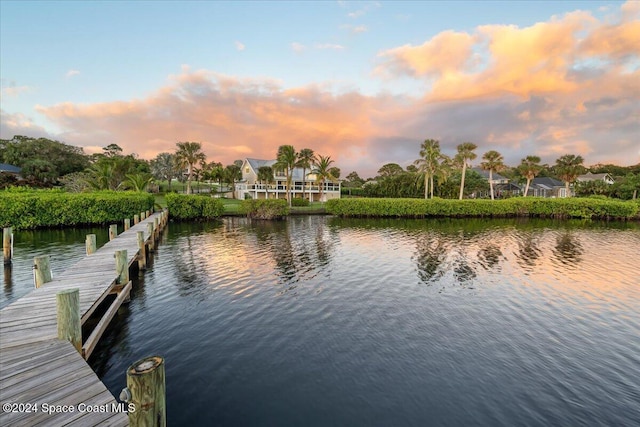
x: 91, y: 342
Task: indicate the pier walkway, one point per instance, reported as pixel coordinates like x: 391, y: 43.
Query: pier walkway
x: 46, y: 381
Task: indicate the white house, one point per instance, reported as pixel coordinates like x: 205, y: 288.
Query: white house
x: 604, y: 177
x: 278, y: 189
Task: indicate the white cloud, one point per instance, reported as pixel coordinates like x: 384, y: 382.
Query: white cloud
x: 72, y: 73
x: 298, y: 47
x: 239, y: 45
x: 329, y: 46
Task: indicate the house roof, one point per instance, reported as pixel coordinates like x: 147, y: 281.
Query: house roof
x: 258, y: 163
x: 9, y: 168
x: 485, y: 174
x: 547, y: 182
x: 594, y: 176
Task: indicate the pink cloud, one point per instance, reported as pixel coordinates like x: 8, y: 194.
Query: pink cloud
x: 556, y: 87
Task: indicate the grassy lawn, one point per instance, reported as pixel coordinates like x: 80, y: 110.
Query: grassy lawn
x: 231, y: 205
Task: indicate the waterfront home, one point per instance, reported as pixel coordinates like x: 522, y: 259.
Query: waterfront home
x: 547, y: 187
x: 10, y: 170
x: 251, y: 186
x: 604, y: 177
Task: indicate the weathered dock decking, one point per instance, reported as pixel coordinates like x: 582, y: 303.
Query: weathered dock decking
x: 39, y: 373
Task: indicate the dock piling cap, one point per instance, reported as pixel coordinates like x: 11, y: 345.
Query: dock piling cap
x: 145, y: 365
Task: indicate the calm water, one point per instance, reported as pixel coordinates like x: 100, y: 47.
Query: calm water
x: 322, y: 321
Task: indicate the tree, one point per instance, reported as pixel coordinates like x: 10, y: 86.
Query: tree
x: 286, y: 161
x: 390, y: 169
x: 464, y: 156
x: 529, y: 168
x: 188, y: 154
x: 429, y: 163
x: 335, y: 172
x: 493, y: 161
x: 306, y: 158
x: 42, y: 157
x: 568, y: 168
x: 232, y: 174
x: 353, y: 180
x: 322, y: 170
x: 138, y: 181
x: 265, y: 176
x: 163, y: 167
x: 112, y: 150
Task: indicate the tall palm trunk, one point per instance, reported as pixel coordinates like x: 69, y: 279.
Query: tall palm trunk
x: 426, y: 186
x: 189, y: 179
x: 431, y: 179
x: 491, y: 182
x: 526, y: 188
x: 464, y: 172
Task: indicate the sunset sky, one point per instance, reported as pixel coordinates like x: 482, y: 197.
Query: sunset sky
x: 364, y: 82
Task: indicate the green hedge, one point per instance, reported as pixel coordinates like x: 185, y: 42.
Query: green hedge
x: 182, y: 206
x: 26, y: 208
x: 265, y: 209
x: 521, y: 206
x: 299, y: 202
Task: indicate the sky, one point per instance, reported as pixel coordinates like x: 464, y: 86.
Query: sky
x: 363, y: 82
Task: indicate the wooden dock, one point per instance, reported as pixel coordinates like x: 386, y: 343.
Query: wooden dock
x: 46, y: 381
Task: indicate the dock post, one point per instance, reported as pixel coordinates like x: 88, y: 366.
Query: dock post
x: 7, y: 244
x: 146, y: 387
x: 113, y: 231
x: 127, y: 224
x: 41, y: 270
x: 148, y: 213
x: 136, y: 219
x: 152, y: 245
x: 155, y: 227
x: 143, y: 215
x: 90, y: 243
x: 142, y: 251
x: 68, y: 314
x: 122, y: 267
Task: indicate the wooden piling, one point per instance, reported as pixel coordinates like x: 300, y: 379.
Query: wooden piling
x: 122, y: 267
x: 152, y: 239
x: 148, y: 213
x: 146, y: 384
x: 7, y: 244
x: 143, y: 215
x: 113, y: 231
x: 90, y: 244
x: 136, y: 219
x: 142, y: 251
x: 68, y: 315
x: 156, y: 227
x: 127, y: 224
x: 41, y: 270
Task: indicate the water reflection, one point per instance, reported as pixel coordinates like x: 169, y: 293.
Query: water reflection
x: 431, y: 252
x: 568, y: 249
x: 528, y: 251
x: 8, y: 280
x: 489, y: 256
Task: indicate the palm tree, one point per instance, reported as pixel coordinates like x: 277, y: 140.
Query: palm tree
x: 322, y: 170
x: 568, y: 167
x: 286, y: 161
x: 529, y: 168
x: 232, y: 173
x: 306, y: 157
x: 465, y: 154
x: 493, y: 161
x: 163, y: 167
x: 188, y: 155
x: 428, y: 163
x: 265, y: 175
x: 138, y: 181
x: 102, y: 177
